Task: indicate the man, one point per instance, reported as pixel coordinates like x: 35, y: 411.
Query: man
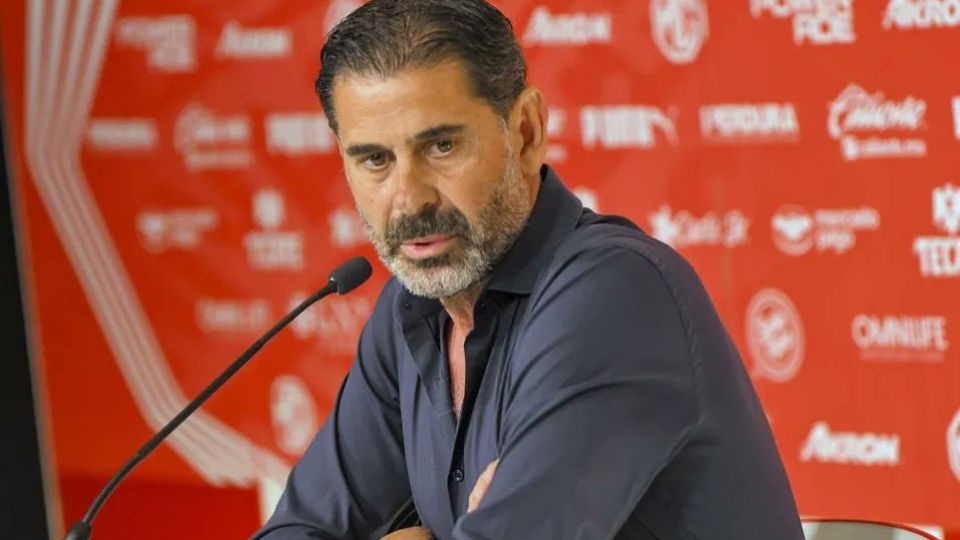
x: 571, y: 360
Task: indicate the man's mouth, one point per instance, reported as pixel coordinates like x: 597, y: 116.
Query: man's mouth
x: 426, y: 247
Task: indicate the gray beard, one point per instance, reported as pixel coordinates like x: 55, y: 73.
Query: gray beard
x: 474, y: 254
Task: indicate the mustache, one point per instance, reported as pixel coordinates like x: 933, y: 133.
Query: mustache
x: 427, y: 222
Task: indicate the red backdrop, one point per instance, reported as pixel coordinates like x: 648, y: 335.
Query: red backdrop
x: 177, y: 189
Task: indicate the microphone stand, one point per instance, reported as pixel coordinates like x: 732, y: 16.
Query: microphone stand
x: 348, y: 279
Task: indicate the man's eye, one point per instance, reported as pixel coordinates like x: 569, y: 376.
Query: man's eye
x: 376, y: 161
x: 442, y: 147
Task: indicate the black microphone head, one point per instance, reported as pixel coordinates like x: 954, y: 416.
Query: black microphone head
x: 350, y: 275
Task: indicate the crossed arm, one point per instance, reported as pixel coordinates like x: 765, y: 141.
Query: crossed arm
x: 601, y: 400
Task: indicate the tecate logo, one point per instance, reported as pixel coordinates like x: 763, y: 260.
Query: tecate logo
x: 939, y: 256
x: 749, y: 123
x: 775, y: 336
x: 271, y: 249
x: 547, y: 28
x: 625, y: 126
x: 867, y: 449
x: 855, y: 112
x: 900, y: 337
x: 921, y: 14
x: 815, y: 22
x: 679, y: 28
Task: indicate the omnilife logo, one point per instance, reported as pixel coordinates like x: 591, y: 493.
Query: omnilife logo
x: 900, y: 337
x: 842, y: 447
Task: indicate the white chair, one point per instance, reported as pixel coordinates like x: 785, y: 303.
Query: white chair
x: 828, y: 529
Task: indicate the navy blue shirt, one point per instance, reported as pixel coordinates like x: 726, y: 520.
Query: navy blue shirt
x: 598, y: 372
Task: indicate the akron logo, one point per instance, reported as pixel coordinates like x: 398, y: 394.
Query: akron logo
x: 775, y: 335
x: 953, y: 445
x: 679, y: 28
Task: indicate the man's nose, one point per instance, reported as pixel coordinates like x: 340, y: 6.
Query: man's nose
x: 415, y: 190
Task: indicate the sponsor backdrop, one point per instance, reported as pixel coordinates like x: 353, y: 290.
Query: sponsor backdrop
x: 177, y: 190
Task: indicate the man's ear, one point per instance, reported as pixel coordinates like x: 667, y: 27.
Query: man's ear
x: 528, y: 120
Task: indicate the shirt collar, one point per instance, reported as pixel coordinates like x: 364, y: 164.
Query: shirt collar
x: 555, y: 214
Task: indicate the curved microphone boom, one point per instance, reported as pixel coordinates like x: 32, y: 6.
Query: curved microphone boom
x: 343, y: 279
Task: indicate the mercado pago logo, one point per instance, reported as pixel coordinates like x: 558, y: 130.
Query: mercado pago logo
x: 168, y: 41
x: 748, y: 123
x: 919, y: 338
x: 613, y: 127
x: 575, y: 29
x: 869, y: 125
x: 826, y: 445
x: 775, y: 335
x: 814, y: 22
x: 679, y: 28
x: 939, y: 256
x: 797, y: 231
x: 269, y: 247
x: 211, y: 141
x: 921, y: 14
x: 684, y: 229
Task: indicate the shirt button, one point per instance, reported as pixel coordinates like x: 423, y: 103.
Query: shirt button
x: 458, y: 476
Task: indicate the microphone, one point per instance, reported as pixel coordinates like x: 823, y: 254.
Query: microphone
x: 343, y: 279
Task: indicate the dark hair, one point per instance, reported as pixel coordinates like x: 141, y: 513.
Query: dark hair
x: 383, y: 37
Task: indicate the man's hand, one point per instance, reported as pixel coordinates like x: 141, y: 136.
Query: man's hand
x: 480, y: 489
x: 411, y: 533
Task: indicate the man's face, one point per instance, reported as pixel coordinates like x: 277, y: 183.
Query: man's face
x: 433, y: 175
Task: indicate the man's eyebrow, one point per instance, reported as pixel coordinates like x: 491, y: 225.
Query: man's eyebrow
x: 434, y: 132
x: 364, y: 149
x: 439, y: 131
